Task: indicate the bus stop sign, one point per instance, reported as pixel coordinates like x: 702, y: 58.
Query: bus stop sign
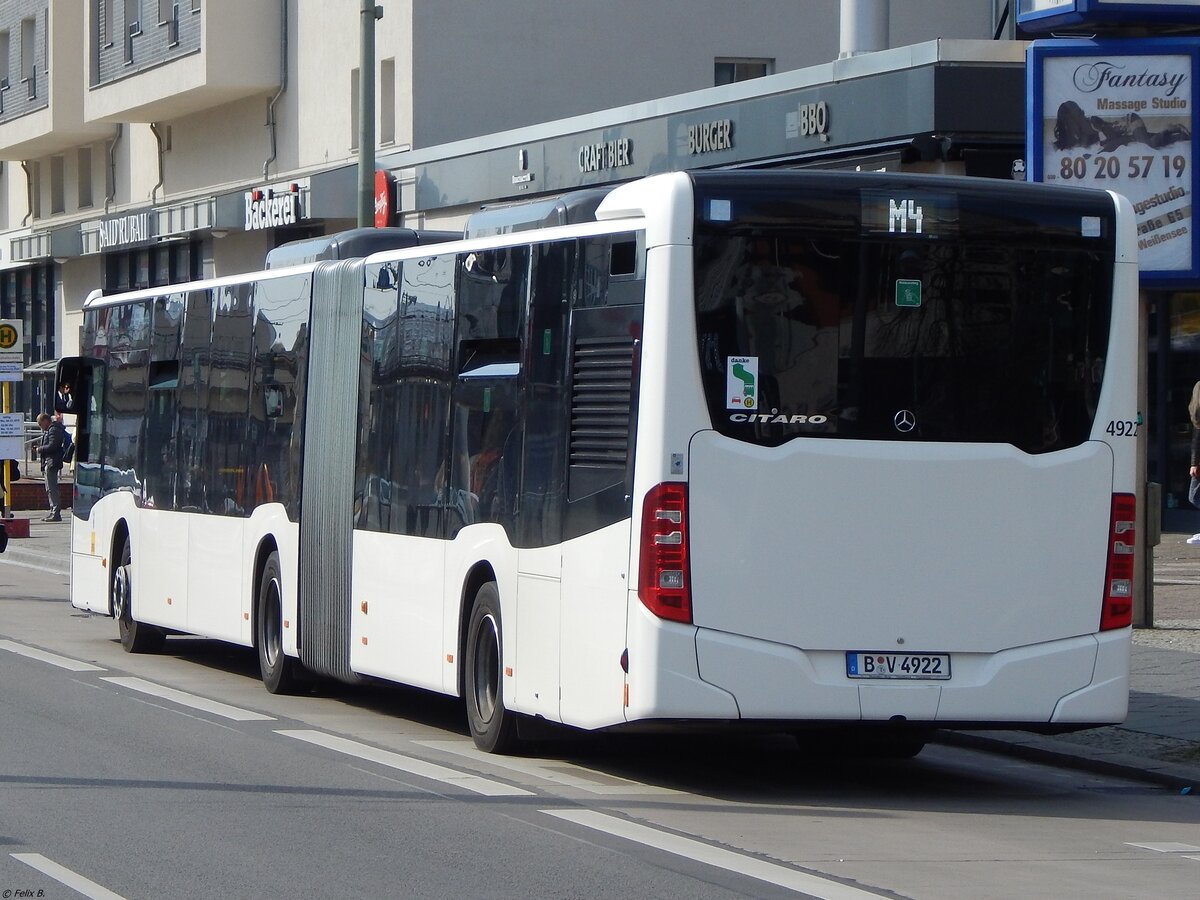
x: 12, y: 350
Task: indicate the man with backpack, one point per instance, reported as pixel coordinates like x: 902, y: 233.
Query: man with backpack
x: 50, y: 452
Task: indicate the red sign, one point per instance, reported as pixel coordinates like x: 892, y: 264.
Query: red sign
x: 385, y: 192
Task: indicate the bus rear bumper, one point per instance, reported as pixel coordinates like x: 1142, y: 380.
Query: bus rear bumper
x: 1076, y: 680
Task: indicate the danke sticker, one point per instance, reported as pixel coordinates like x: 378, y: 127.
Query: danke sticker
x: 741, y: 382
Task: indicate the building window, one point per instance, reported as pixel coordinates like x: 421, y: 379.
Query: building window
x: 29, y: 54
x: 5, y: 60
x: 133, y: 25
x: 105, y: 25
x: 58, y: 178
x: 387, y: 101
x: 84, y: 162
x: 168, y: 15
x: 729, y: 69
x: 354, y: 89
x: 35, y: 189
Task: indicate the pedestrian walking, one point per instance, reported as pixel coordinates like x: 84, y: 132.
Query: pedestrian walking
x: 50, y: 452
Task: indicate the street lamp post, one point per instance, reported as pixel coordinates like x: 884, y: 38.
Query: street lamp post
x: 368, y: 13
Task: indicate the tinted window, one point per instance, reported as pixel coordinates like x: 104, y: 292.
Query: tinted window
x: 195, y: 362
x: 126, y: 337
x: 408, y: 332
x: 228, y: 400
x: 483, y: 476
x: 988, y: 324
x: 159, y: 449
x: 275, y: 426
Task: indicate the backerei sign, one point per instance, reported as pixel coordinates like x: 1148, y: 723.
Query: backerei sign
x: 273, y: 207
x: 1120, y: 116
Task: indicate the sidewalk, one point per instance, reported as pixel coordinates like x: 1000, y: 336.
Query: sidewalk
x: 1159, y: 741
x: 47, y: 547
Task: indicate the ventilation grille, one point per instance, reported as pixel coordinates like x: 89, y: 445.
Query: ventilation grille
x: 601, y: 402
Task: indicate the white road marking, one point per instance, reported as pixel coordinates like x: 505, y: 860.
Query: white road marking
x: 190, y: 700
x: 549, y: 770
x: 28, y: 565
x: 54, y: 659
x: 1166, y: 847
x: 65, y: 876
x: 751, y: 867
x: 412, y: 765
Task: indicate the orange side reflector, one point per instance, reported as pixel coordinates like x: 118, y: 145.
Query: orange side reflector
x: 508, y: 671
x: 246, y: 616
x: 169, y: 601
x: 626, y: 694
x: 364, y: 640
x: 287, y: 624
x: 104, y: 563
x: 449, y: 657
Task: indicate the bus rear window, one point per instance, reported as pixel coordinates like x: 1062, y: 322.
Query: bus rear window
x: 814, y: 321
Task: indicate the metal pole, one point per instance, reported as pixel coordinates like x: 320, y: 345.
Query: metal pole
x: 6, y: 404
x: 368, y: 13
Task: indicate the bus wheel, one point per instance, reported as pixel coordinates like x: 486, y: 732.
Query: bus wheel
x: 493, y: 728
x: 278, y: 669
x: 135, y: 636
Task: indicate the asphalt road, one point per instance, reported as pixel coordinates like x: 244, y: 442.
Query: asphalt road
x: 177, y: 775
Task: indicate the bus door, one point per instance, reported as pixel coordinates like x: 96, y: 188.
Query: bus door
x: 86, y: 376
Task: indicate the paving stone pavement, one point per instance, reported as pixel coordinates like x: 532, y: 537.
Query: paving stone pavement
x: 1159, y: 741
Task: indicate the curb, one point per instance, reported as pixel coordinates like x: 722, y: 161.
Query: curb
x: 1177, y: 777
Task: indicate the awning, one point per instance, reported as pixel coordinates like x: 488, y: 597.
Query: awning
x: 45, y: 369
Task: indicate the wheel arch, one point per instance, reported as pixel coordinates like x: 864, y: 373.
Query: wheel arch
x: 266, y: 547
x: 120, y: 537
x: 479, y: 575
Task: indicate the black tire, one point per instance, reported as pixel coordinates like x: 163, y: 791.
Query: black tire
x: 278, y: 669
x: 136, y: 637
x: 493, y: 728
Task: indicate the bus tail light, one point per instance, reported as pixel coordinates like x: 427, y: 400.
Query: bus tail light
x: 1118, y: 579
x: 664, y: 581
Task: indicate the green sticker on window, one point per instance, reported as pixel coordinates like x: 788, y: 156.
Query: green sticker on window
x: 546, y: 342
x: 487, y: 399
x: 908, y: 292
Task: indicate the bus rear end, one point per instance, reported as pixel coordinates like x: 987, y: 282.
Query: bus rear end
x: 909, y: 495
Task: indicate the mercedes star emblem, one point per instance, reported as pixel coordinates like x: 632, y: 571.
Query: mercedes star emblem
x: 905, y: 421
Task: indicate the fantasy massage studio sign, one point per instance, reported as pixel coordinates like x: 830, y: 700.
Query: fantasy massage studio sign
x: 1119, y: 115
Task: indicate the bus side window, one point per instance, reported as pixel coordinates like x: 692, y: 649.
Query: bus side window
x: 493, y: 289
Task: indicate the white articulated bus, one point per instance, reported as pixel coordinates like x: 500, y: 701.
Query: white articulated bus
x: 776, y: 448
